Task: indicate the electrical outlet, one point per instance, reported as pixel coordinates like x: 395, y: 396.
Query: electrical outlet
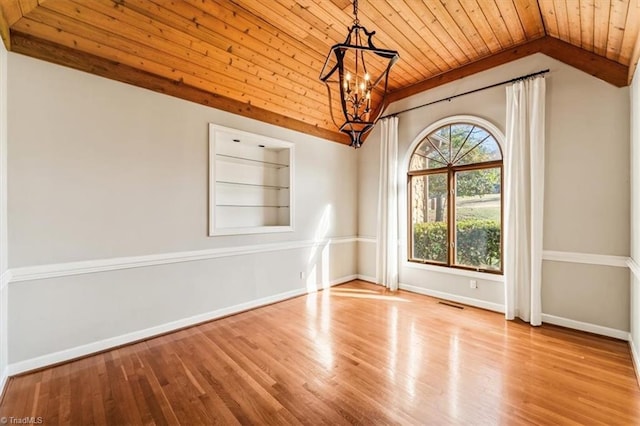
x: 302, y: 275
x: 473, y: 284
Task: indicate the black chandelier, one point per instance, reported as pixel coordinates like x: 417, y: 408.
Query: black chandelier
x: 360, y: 73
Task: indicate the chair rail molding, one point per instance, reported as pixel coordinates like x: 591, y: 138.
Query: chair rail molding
x: 372, y: 240
x: 635, y: 268
x: 5, y: 278
x: 40, y: 272
x: 586, y: 258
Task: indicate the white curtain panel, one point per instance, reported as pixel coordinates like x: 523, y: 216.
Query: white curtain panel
x: 387, y: 242
x: 524, y: 199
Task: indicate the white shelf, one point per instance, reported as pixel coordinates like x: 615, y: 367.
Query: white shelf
x: 242, y: 160
x: 262, y: 206
x: 250, y: 181
x: 276, y: 187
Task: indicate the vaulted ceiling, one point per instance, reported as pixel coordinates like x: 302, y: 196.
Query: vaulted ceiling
x: 262, y: 58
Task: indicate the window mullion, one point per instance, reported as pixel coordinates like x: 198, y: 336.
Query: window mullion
x: 410, y: 217
x: 451, y: 215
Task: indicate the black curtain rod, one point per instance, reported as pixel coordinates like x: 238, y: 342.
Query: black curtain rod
x: 513, y: 80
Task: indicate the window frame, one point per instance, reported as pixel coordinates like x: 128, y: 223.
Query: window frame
x: 451, y: 171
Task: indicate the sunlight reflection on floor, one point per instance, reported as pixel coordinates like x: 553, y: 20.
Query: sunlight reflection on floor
x: 358, y: 294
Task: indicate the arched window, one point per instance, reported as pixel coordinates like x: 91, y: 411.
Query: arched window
x: 455, y: 198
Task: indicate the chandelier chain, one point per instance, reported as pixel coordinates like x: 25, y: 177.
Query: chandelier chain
x: 355, y: 12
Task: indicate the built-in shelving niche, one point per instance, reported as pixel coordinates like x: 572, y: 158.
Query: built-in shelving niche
x: 250, y: 183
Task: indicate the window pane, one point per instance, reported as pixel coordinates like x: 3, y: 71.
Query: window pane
x: 441, y: 146
x: 429, y: 217
x: 426, y: 156
x: 478, y: 209
x: 480, y: 147
x: 418, y: 162
x: 461, y: 139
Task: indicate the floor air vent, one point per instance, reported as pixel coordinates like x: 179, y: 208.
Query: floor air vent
x: 452, y: 305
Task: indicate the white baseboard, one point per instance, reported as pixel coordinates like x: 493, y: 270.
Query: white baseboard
x: 343, y: 280
x: 635, y: 358
x: 490, y: 306
x: 112, y: 342
x: 3, y: 379
x: 585, y: 326
x: 5, y: 278
x: 367, y: 278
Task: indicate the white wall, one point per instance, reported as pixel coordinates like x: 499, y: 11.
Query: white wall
x: 634, y: 261
x: 586, y: 192
x: 106, y: 176
x: 4, y: 274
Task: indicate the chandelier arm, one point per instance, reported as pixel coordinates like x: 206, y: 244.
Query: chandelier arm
x: 386, y: 73
x: 331, y: 103
x: 324, y: 77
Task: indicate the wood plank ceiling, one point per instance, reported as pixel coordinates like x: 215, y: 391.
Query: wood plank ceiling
x: 261, y: 59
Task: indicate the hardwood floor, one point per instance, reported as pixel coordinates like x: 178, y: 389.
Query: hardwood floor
x: 353, y: 354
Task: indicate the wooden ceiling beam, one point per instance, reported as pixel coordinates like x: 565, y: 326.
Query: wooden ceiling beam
x: 10, y: 12
x: 484, y: 64
x: 633, y: 19
x: 5, y: 33
x: 635, y: 57
x: 61, y: 55
x: 595, y: 65
x: 600, y: 67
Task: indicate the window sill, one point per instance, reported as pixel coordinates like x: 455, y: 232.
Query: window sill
x: 454, y: 271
